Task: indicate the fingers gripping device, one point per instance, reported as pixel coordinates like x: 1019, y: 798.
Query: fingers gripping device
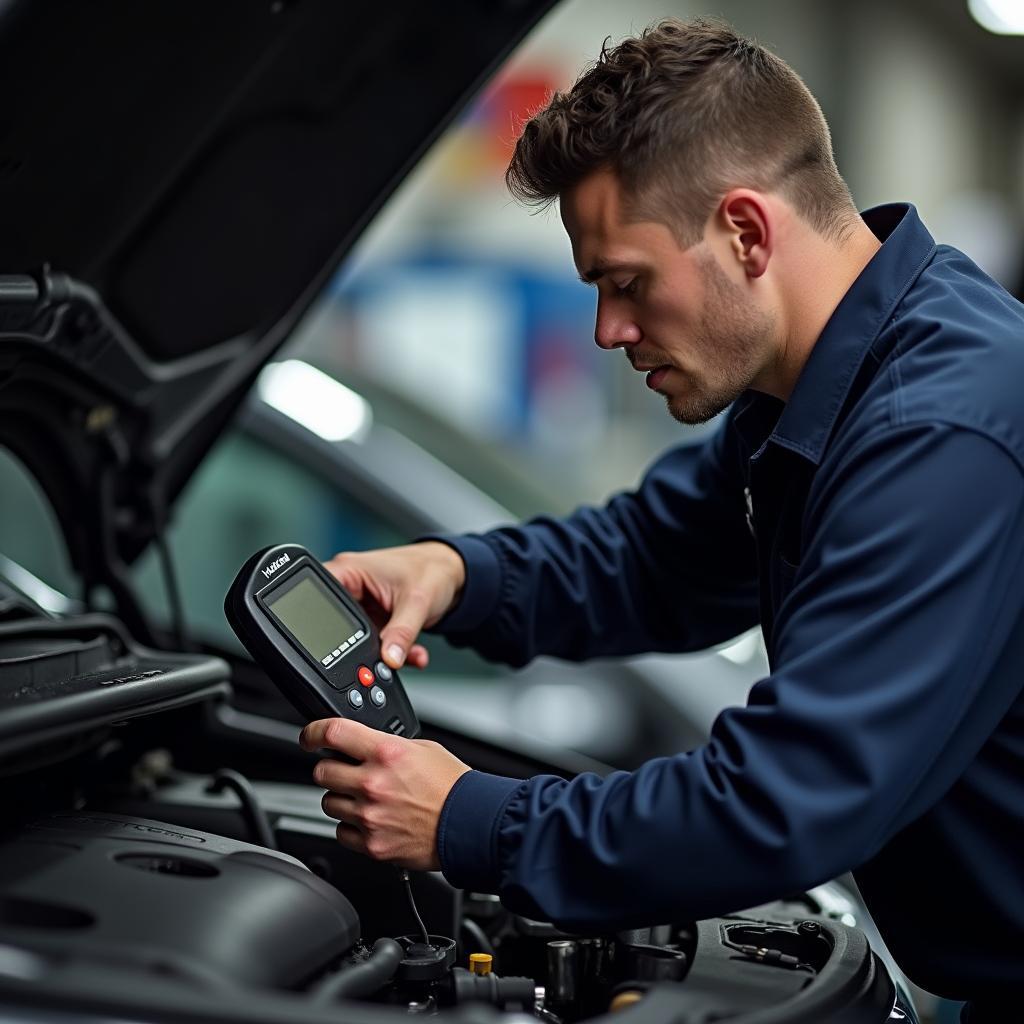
x: 315, y: 641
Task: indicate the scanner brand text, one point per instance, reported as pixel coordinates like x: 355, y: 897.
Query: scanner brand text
x: 275, y: 565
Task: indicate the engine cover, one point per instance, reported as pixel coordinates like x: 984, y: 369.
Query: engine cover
x: 169, y: 901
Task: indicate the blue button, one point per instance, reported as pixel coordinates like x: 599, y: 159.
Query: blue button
x: 383, y: 672
x: 355, y: 698
x: 378, y: 697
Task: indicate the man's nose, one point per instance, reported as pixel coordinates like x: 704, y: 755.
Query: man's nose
x: 614, y: 329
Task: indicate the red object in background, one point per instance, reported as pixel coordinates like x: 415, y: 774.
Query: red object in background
x: 508, y: 104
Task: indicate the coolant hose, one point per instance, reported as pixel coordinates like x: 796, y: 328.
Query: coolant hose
x: 252, y: 809
x: 365, y: 978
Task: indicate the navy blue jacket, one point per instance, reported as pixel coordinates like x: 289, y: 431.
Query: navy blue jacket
x: 884, y: 560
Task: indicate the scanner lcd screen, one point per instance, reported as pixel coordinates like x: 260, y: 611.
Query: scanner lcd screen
x: 312, y: 614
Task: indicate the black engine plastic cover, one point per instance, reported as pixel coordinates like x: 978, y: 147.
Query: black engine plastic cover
x: 169, y: 901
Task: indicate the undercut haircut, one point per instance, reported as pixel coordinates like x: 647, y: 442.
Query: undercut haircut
x: 681, y: 114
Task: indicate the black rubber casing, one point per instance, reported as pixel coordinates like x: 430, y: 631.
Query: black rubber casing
x: 315, y: 690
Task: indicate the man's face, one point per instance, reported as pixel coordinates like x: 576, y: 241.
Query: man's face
x: 698, y: 336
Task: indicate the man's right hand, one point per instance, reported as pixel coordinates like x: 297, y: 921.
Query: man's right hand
x: 402, y: 589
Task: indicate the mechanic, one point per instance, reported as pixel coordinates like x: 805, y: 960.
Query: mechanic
x: 863, y: 500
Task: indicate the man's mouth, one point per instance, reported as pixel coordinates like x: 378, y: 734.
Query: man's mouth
x: 656, y: 376
x: 656, y: 372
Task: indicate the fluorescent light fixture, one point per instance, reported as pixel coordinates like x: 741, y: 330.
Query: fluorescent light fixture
x: 1004, y: 17
x: 319, y: 402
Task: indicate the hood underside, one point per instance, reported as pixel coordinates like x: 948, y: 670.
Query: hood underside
x: 191, y: 173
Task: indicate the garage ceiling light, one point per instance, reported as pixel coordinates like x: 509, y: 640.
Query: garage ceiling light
x: 1004, y: 17
x: 319, y: 402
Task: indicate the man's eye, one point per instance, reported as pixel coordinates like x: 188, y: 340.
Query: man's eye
x: 629, y: 288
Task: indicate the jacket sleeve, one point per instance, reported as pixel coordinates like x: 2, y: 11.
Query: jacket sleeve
x: 891, y: 674
x: 668, y: 567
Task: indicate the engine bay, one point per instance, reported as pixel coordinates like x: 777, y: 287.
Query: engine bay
x: 165, y: 857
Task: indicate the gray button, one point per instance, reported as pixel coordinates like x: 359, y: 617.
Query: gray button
x: 383, y: 672
x: 355, y: 698
x: 377, y: 696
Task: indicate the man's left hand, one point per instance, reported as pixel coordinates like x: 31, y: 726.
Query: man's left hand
x: 389, y: 804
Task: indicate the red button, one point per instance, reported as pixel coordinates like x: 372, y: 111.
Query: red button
x: 365, y: 676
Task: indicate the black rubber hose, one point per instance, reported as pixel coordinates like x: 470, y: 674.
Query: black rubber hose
x: 365, y: 978
x: 478, y: 935
x: 172, y: 588
x: 490, y: 988
x: 252, y: 810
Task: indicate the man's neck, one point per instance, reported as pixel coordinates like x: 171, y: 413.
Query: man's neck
x: 816, y: 283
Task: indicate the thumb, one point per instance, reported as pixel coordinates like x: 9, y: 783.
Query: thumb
x: 400, y: 632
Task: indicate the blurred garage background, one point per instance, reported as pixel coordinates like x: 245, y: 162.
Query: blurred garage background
x: 466, y: 305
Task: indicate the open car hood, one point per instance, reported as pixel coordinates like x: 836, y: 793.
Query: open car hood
x: 177, y: 182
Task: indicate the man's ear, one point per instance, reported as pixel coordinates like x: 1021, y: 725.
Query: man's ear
x: 743, y: 215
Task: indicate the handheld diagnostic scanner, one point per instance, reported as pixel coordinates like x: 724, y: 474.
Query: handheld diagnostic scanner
x: 315, y: 642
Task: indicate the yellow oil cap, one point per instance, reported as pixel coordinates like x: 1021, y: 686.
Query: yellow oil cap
x: 626, y: 999
x: 480, y: 963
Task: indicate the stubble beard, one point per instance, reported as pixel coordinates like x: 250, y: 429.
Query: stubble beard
x: 732, y: 338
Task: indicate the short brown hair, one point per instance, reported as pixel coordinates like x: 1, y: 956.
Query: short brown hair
x: 682, y: 113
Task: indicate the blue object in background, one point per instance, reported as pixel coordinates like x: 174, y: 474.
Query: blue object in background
x: 529, y: 348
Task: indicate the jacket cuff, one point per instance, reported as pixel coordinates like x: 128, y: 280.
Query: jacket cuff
x: 467, y: 833
x: 482, y: 588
